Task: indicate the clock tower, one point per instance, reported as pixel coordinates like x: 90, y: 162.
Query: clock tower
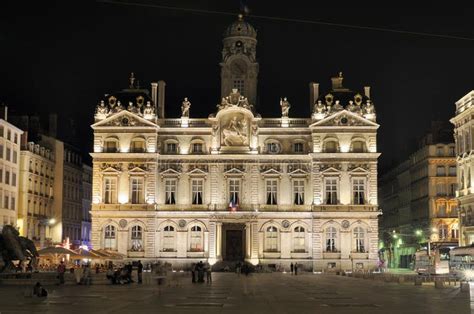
x: 239, y: 67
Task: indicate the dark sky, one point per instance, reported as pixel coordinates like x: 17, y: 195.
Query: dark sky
x: 63, y: 56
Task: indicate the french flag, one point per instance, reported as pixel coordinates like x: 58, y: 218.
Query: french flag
x: 233, y: 205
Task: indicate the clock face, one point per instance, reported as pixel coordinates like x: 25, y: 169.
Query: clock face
x: 125, y: 121
x: 239, y: 44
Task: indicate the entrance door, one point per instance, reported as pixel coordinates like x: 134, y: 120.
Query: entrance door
x: 234, y: 246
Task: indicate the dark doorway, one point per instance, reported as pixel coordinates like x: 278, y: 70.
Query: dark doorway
x: 234, y: 245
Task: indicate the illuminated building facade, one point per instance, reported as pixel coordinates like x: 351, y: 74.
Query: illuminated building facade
x: 236, y: 186
x: 463, y: 135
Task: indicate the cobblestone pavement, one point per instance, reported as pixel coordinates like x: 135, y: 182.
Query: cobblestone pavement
x: 259, y: 293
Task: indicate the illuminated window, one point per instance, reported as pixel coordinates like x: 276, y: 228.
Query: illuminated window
x: 443, y: 231
x: 136, y: 190
x: 137, y: 145
x: 197, y: 189
x: 196, y: 239
x: 440, y: 171
x: 136, y: 239
x: 110, y: 190
x: 171, y: 148
x: 197, y: 148
x: 234, y: 190
x: 358, y: 189
x: 359, y: 238
x: 330, y: 185
x: 169, y: 236
x: 110, y: 241
x: 330, y: 147
x: 298, y: 192
x: 110, y: 146
x: 170, y: 191
x: 331, y: 237
x: 272, y: 191
x: 299, y: 239
x: 358, y: 147
x: 240, y: 85
x: 271, y: 239
x: 298, y: 147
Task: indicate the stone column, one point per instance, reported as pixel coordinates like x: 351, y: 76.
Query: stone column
x: 248, y: 234
x: 219, y: 240
x: 254, y: 244
x: 212, y: 240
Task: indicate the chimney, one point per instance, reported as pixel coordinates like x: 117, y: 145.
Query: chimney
x: 154, y: 88
x: 53, y: 125
x: 4, y: 112
x: 337, y: 82
x: 313, y: 94
x: 367, y: 91
x: 161, y: 99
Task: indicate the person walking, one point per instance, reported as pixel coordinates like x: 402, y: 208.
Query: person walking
x: 296, y: 269
x: 61, y: 270
x: 78, y: 274
x: 291, y: 268
x: 139, y: 272
x: 193, y: 272
x: 209, y: 274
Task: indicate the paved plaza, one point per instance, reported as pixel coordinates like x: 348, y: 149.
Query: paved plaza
x: 274, y: 293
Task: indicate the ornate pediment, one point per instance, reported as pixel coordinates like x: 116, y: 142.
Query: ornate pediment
x: 234, y: 171
x: 238, y: 167
x: 331, y: 168
x: 197, y: 172
x: 358, y: 168
x: 266, y: 168
x: 345, y: 118
x: 110, y: 168
x: 170, y: 173
x: 124, y: 118
x: 301, y: 168
x: 298, y: 173
x: 270, y: 172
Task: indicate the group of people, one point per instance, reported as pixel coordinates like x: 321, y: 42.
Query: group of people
x: 242, y: 268
x: 123, y: 275
x: 294, y: 268
x: 198, y: 270
x: 82, y: 274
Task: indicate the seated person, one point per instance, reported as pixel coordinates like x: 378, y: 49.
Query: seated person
x: 39, y: 291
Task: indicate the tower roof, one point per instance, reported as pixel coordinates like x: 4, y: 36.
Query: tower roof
x: 240, y: 28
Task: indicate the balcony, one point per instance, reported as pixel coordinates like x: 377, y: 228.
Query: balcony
x: 359, y: 255
x: 345, y: 208
x: 331, y: 255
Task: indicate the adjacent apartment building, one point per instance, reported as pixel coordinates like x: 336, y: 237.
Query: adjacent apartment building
x: 417, y: 198
x: 9, y: 169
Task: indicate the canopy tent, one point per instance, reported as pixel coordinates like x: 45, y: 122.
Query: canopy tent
x: 57, y: 252
x: 87, y: 254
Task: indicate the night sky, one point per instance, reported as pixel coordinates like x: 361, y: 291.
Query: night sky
x: 64, y: 56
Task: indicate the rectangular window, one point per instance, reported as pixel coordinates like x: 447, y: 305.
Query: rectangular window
x: 240, y: 85
x: 298, y: 147
x: 197, y: 148
x: 8, y: 154
x: 358, y: 188
x: 12, y: 203
x: 1, y: 131
x: 273, y: 148
x: 1, y: 175
x: 1, y: 150
x: 110, y: 146
x: 452, y: 151
x: 298, y: 192
x: 441, y: 189
x: 110, y: 190
x: 331, y: 191
x: 171, y: 148
x: 440, y: 171
x: 137, y: 190
x: 7, y: 177
x: 197, y: 188
x: 234, y: 191
x: 452, y: 171
x: 6, y: 201
x: 170, y: 191
x: 272, y: 190
x: 9, y: 135
x: 440, y: 151
x: 13, y: 179
x: 442, y: 210
x: 15, y: 157
x: 15, y: 138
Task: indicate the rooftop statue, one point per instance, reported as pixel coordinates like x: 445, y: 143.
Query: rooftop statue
x: 319, y: 107
x: 337, y: 106
x: 13, y: 247
x: 149, y: 110
x: 102, y: 109
x: 186, y: 104
x: 285, y: 107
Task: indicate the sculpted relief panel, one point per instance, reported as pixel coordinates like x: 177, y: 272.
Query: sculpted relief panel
x: 235, y: 130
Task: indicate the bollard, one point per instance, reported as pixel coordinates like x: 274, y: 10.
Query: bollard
x: 418, y: 281
x: 439, y: 283
x: 465, y: 287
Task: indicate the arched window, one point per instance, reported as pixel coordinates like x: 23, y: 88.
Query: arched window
x: 298, y: 239
x: 169, y: 236
x: 111, y: 145
x: 110, y: 239
x: 197, y: 147
x: 443, y: 231
x: 271, y: 239
x: 273, y: 147
x: 331, y: 237
x: 136, y: 239
x: 455, y: 231
x: 358, y: 146
x: 330, y: 146
x: 196, y: 239
x: 137, y: 145
x: 359, y: 238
